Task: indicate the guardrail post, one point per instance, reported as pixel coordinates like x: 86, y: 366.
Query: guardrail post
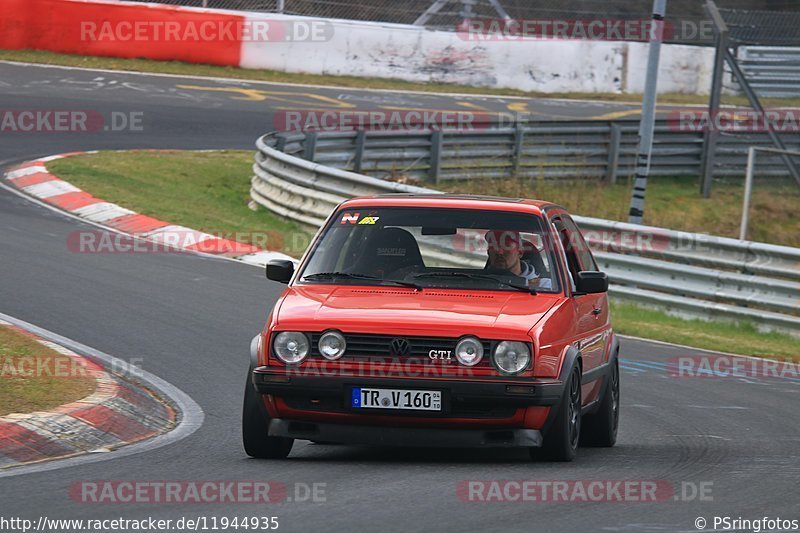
x: 310, y: 146
x: 280, y: 143
x: 613, y: 153
x: 519, y: 139
x: 361, y: 140
x: 436, y: 156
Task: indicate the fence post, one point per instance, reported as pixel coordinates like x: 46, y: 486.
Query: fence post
x: 519, y: 139
x: 613, y: 153
x: 748, y: 192
x: 436, y: 156
x: 710, y: 136
x: 310, y: 146
x: 361, y: 140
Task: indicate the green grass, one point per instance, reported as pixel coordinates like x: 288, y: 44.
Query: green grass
x: 189, y: 69
x: 671, y: 203
x: 57, y: 381
x: 207, y: 191
x: 738, y: 338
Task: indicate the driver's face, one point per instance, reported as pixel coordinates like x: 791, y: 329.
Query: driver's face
x: 505, y: 257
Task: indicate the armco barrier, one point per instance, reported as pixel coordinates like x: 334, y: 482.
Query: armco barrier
x: 693, y: 274
x: 547, y: 149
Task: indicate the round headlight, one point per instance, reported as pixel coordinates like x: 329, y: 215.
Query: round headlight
x: 332, y: 345
x: 291, y: 347
x: 469, y: 351
x: 512, y: 357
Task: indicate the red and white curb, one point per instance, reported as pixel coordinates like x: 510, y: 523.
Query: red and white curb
x: 116, y: 413
x: 33, y: 179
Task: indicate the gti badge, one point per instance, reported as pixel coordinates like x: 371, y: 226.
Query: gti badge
x: 444, y: 355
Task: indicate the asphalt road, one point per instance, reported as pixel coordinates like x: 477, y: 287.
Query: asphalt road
x: 190, y: 319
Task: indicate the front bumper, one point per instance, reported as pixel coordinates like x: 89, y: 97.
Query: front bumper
x: 392, y: 436
x: 497, y: 391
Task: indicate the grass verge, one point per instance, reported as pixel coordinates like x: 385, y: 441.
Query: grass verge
x: 206, y: 191
x: 673, y: 203
x: 191, y: 69
x: 36, y: 378
x: 738, y: 338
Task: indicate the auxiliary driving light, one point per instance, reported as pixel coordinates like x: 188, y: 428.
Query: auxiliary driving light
x: 332, y: 345
x: 469, y: 351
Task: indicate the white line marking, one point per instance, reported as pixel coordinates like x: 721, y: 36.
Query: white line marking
x: 683, y: 346
x: 190, y: 414
x: 261, y: 259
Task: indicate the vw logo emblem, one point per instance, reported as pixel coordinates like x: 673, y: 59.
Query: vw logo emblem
x: 400, y: 347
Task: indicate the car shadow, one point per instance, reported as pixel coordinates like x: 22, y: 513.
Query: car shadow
x: 319, y: 452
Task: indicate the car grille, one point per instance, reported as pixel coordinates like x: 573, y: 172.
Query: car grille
x: 365, y: 345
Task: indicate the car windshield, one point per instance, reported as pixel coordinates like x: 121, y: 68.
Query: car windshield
x: 426, y: 247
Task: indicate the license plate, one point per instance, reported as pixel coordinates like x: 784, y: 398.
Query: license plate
x: 416, y: 400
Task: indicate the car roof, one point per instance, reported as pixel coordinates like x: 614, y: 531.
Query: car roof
x: 453, y: 201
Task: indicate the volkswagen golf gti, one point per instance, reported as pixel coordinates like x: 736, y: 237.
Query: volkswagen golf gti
x: 438, y: 321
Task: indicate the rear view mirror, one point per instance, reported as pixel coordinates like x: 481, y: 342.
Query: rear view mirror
x: 591, y: 282
x: 280, y: 270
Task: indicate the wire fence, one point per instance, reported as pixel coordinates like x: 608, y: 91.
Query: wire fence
x: 686, y: 16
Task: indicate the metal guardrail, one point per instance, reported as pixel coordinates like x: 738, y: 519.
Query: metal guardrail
x: 586, y: 149
x: 772, y: 71
x: 695, y: 274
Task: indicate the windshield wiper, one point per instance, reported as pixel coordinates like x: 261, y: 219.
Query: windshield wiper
x: 348, y: 275
x: 480, y: 277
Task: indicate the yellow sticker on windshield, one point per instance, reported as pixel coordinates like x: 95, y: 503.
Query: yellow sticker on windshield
x: 371, y: 221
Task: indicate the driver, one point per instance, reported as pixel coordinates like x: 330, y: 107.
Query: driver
x: 505, y: 250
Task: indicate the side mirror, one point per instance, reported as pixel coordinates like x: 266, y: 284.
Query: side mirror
x: 280, y: 270
x: 591, y: 282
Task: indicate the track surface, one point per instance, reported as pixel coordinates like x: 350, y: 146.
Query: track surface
x: 190, y: 320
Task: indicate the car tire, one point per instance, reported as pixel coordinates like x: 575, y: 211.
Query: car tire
x: 254, y: 429
x: 561, y: 441
x: 600, y: 428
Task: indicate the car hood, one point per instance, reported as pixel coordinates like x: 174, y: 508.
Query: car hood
x: 388, y: 310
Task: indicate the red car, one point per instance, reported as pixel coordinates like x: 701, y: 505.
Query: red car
x: 449, y: 321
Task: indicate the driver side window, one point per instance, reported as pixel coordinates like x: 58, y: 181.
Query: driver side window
x: 567, y: 244
x: 584, y: 255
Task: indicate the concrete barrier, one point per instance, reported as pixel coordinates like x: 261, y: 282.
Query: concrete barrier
x: 343, y: 47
